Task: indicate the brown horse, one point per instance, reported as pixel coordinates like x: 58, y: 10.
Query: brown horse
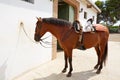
x: 68, y: 40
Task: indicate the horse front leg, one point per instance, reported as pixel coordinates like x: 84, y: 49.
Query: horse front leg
x: 68, y: 58
x: 69, y: 52
x: 66, y: 63
x: 71, y: 68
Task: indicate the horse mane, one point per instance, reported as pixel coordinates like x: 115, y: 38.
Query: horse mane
x: 56, y: 21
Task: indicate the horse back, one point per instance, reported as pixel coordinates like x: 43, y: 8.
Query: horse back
x: 100, y: 27
x: 91, y: 39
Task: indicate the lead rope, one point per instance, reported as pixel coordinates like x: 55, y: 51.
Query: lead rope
x: 41, y: 41
x: 22, y: 26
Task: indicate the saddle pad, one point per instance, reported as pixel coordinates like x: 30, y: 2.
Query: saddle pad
x: 99, y: 27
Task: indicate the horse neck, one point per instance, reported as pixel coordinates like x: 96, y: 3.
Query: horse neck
x: 56, y: 30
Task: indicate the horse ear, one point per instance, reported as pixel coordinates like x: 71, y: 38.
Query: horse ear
x: 39, y: 19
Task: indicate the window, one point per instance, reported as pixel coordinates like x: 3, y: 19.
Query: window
x: 30, y: 1
x: 85, y: 15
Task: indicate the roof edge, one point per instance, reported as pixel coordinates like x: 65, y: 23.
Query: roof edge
x: 93, y: 4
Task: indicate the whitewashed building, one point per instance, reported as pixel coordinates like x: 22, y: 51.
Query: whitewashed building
x: 89, y: 10
x: 18, y: 53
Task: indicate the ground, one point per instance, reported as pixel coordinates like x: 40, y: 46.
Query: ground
x: 83, y: 63
x: 114, y: 37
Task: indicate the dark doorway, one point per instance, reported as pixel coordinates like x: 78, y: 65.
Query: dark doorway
x: 66, y: 12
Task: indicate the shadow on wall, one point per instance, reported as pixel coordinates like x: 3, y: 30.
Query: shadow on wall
x: 85, y: 75
x: 3, y: 70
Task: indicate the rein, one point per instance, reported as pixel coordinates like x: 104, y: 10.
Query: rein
x: 45, y: 42
x: 27, y: 34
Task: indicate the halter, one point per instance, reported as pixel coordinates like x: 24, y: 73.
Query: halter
x: 42, y: 42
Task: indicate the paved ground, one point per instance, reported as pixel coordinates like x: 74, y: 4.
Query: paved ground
x: 114, y: 37
x: 83, y: 63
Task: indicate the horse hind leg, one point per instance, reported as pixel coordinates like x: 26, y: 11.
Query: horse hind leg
x: 98, y: 55
x: 103, y: 57
x: 99, y: 66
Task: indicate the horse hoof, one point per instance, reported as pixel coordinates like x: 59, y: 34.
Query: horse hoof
x: 98, y: 72
x: 63, y: 71
x: 96, y: 67
x: 69, y: 75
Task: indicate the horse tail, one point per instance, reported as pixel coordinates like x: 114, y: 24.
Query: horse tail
x: 105, y: 53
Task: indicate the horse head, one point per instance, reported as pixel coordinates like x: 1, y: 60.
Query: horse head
x: 39, y: 31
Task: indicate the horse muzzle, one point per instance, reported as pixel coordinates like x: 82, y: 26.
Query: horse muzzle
x: 37, y: 38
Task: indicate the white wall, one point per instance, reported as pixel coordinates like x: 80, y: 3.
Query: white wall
x: 18, y: 53
x: 90, y: 13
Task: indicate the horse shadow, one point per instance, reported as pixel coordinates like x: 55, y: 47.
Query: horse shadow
x: 84, y: 75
